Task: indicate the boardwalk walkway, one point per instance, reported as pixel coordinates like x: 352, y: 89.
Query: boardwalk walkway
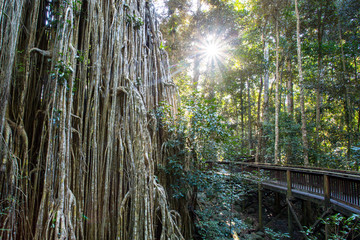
x: 341, y: 189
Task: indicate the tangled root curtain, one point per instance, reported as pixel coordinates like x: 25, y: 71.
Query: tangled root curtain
x: 80, y: 141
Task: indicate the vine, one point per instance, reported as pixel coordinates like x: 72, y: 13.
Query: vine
x: 76, y: 124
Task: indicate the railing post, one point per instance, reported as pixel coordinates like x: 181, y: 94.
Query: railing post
x: 288, y: 196
x: 326, y: 191
x: 288, y: 180
x: 327, y: 201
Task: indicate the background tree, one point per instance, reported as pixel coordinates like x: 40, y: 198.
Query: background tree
x: 321, y: 68
x: 302, y: 104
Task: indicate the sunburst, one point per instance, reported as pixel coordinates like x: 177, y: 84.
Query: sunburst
x: 212, y: 49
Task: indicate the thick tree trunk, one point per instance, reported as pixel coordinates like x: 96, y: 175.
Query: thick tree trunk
x: 301, y: 83
x: 81, y: 135
x: 11, y: 13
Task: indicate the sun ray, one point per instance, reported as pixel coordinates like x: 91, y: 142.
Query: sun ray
x: 212, y: 49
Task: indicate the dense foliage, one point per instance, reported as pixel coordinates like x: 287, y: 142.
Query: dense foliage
x: 285, y: 81
x: 244, y: 82
x: 95, y: 144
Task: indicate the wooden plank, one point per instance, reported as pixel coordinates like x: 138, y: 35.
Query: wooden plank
x: 345, y: 208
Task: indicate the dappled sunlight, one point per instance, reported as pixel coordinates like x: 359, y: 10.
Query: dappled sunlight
x: 235, y: 236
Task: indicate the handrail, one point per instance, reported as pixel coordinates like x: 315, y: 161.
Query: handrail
x: 328, y: 171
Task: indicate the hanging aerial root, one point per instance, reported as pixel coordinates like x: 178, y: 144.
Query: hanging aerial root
x: 96, y: 74
x: 170, y: 218
x: 42, y: 52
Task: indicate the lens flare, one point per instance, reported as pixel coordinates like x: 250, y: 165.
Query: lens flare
x: 212, y: 49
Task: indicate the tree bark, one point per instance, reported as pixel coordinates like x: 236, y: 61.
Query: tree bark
x: 290, y: 108
x: 277, y: 97
x: 266, y: 81
x: 301, y: 83
x: 347, y: 104
x: 250, y: 138
x: 196, y: 69
x: 242, y: 112
x: 318, y: 84
x: 11, y: 14
x: 80, y: 131
x: 290, y: 91
x: 259, y: 156
x: 259, y: 124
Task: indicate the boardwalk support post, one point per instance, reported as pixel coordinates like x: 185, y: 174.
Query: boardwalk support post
x: 288, y: 197
x: 307, y: 212
x: 317, y: 223
x: 296, y: 218
x: 277, y: 203
x: 330, y: 186
x: 261, y: 225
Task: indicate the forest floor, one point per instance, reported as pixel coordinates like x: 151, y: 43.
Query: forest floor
x: 242, y: 212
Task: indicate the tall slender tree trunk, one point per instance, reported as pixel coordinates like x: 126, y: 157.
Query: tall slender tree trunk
x: 242, y: 112
x: 196, y: 72
x: 277, y: 95
x: 259, y: 128
x: 290, y: 91
x: 259, y: 156
x: 301, y: 83
x: 196, y: 68
x: 347, y: 103
x: 318, y: 84
x: 250, y: 138
x: 289, y: 107
x: 266, y: 81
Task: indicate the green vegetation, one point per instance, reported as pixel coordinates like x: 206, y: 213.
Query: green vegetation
x: 241, y: 77
x: 341, y: 228
x: 279, y: 101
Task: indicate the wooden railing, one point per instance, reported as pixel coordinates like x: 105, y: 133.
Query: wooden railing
x: 341, y: 188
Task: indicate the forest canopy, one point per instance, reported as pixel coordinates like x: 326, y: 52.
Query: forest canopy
x: 284, y: 74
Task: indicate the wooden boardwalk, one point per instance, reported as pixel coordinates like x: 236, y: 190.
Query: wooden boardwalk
x: 340, y: 189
